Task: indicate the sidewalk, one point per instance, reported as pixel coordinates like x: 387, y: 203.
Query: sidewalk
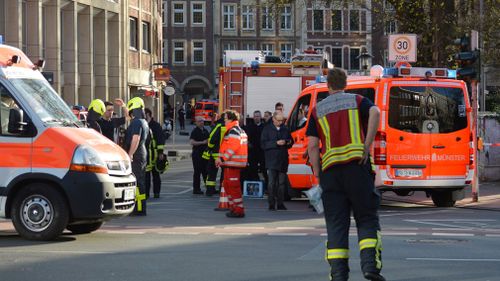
x: 178, y: 147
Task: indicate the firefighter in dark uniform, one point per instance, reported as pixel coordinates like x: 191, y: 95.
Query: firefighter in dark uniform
x: 212, y: 153
x: 199, y: 139
x: 346, y: 125
x: 155, y: 144
x: 135, y: 144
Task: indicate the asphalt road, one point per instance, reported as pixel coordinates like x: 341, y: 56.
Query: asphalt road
x: 182, y: 238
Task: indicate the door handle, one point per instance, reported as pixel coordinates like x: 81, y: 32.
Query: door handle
x: 438, y: 146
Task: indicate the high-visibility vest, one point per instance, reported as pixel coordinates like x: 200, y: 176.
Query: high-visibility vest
x: 234, y: 148
x: 214, y: 142
x: 340, y: 129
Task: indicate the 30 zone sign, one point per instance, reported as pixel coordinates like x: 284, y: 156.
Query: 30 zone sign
x: 403, y: 47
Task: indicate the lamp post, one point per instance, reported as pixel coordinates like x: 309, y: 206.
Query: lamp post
x: 365, y: 58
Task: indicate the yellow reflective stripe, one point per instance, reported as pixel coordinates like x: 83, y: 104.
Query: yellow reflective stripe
x: 354, y: 126
x: 367, y: 243
x: 344, y: 149
x: 323, y: 123
x: 139, y: 198
x: 210, y: 183
x: 337, y: 254
x: 341, y: 158
x: 378, y: 251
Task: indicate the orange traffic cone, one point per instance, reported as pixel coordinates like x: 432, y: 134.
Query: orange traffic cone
x: 223, y: 201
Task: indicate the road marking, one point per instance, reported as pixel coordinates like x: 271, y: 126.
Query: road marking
x: 178, y: 233
x: 286, y: 234
x: 295, y: 228
x: 446, y: 259
x: 57, y: 252
x: 399, y: 233
x: 233, y: 233
x: 492, y: 235
x: 124, y: 232
x: 194, y: 227
x: 451, y: 229
x: 244, y: 227
x: 452, y: 234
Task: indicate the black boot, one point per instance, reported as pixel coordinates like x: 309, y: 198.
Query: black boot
x: 372, y: 276
x: 339, y: 269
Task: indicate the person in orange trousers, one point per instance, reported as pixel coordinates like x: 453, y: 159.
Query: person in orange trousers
x: 233, y: 157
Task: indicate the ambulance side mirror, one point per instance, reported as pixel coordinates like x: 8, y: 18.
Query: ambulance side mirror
x: 16, y: 121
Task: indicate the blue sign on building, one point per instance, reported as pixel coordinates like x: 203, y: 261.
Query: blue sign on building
x: 1, y: 39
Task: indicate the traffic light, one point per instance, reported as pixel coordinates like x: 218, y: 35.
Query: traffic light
x: 467, y: 60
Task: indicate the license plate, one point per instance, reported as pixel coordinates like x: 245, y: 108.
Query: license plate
x: 129, y: 194
x: 412, y: 173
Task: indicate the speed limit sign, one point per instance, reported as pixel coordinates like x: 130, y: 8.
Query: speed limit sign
x: 403, y: 47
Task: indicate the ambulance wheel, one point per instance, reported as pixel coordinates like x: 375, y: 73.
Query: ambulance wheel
x: 84, y: 228
x: 402, y: 192
x: 39, y: 212
x: 443, y: 198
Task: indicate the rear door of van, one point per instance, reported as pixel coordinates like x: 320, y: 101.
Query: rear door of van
x: 427, y: 130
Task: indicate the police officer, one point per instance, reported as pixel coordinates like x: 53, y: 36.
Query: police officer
x: 212, y: 153
x: 155, y: 144
x: 346, y: 125
x: 198, y: 140
x: 135, y: 144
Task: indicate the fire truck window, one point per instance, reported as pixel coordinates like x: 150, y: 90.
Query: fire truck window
x: 298, y: 118
x: 199, y: 106
x: 427, y: 109
x: 321, y: 96
x: 209, y: 106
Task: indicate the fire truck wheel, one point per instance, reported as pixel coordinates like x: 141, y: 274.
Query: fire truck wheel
x: 84, y: 228
x: 443, y: 198
x: 39, y: 212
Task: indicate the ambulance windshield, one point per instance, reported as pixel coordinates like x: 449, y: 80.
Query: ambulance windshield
x: 46, y: 103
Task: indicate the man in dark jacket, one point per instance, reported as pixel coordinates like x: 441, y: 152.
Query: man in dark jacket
x: 275, y: 141
x: 110, y: 124
x: 154, y: 143
x: 255, y: 152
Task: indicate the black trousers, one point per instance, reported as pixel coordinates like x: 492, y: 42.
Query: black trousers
x: 350, y: 187
x: 212, y: 170
x: 200, y: 169
x: 139, y: 170
x: 276, y: 187
x: 156, y: 182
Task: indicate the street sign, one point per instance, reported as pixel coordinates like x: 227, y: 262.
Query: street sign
x: 403, y: 47
x: 162, y: 74
x: 169, y: 90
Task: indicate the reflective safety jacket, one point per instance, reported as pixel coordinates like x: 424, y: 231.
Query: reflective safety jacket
x: 340, y: 129
x: 214, y: 141
x: 234, y: 148
x: 154, y: 143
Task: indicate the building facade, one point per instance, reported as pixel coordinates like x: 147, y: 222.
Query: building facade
x: 188, y: 47
x: 86, y: 44
x: 343, y: 30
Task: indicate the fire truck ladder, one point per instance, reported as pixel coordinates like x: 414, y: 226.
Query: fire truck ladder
x: 236, y: 68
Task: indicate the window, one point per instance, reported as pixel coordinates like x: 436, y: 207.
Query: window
x: 146, y: 43
x: 353, y: 59
x: 179, y: 13
x: 248, y: 46
x: 267, y: 19
x: 179, y: 48
x: 286, y: 51
x: 133, y: 33
x: 318, y: 21
x: 368, y: 93
x: 229, y: 15
x: 198, y: 53
x: 286, y: 17
x: 197, y: 13
x: 267, y: 49
x: 298, y: 118
x: 390, y: 27
x: 229, y: 46
x: 413, y: 108
x: 354, y: 20
x: 165, y: 50
x: 164, y: 14
x: 336, y: 20
x: 247, y: 22
x: 337, y: 57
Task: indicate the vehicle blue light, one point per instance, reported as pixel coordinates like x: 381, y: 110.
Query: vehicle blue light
x: 452, y: 73
x: 391, y: 71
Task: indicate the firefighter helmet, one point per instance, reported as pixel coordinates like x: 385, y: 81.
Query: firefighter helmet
x: 161, y: 166
x: 98, y: 106
x: 135, y: 103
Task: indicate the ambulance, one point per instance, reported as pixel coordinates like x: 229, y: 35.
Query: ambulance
x: 425, y: 138
x: 54, y: 173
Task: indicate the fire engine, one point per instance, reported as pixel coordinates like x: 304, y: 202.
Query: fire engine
x: 425, y: 140
x: 249, y: 83
x: 206, y: 109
